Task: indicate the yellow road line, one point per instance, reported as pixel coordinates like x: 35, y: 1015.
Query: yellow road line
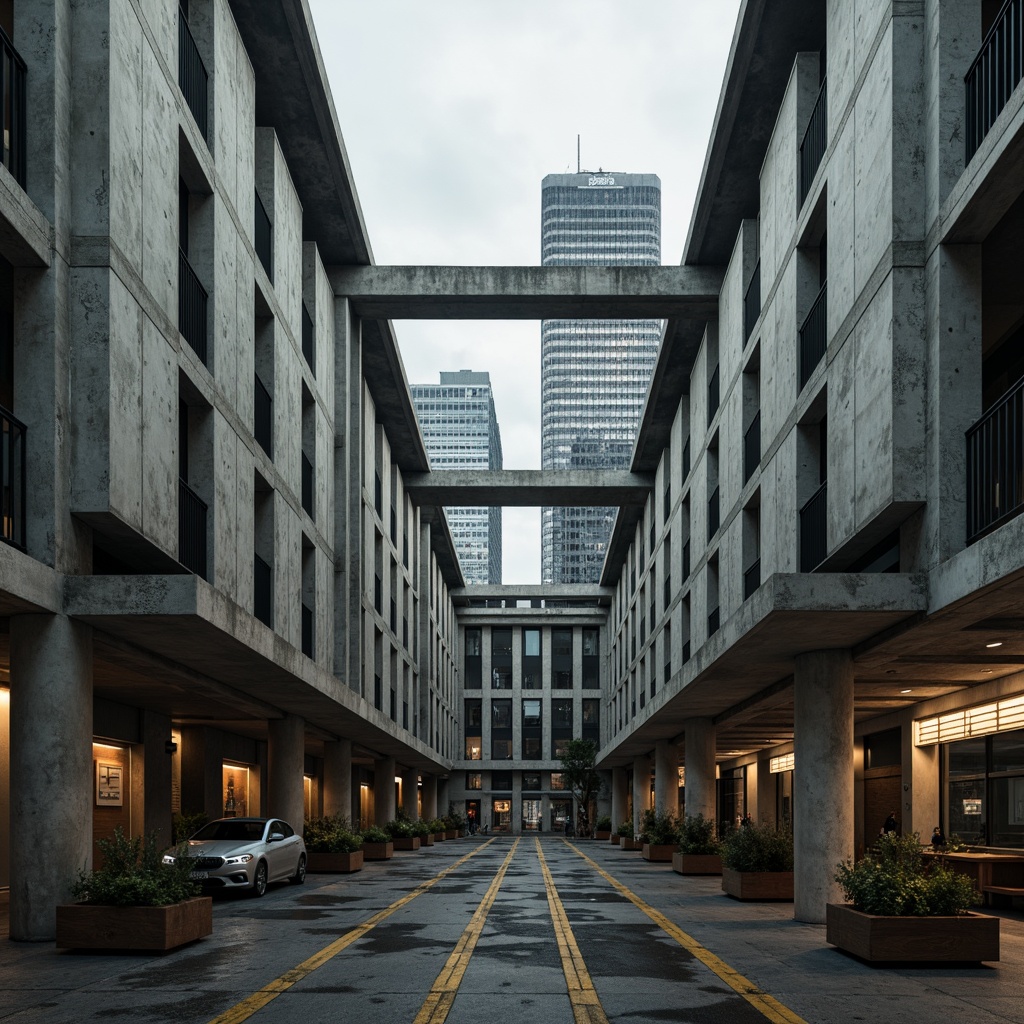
x: 766, y: 1004
x: 247, y: 1007
x: 438, y: 1003
x: 586, y: 1007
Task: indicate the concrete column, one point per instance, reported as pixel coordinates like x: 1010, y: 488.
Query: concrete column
x: 384, y: 790
x: 666, y: 778
x: 429, y: 797
x: 51, y: 777
x: 156, y: 776
x: 338, y: 779
x: 920, y: 811
x: 620, y: 798
x: 410, y: 792
x: 286, y: 750
x: 641, y: 789
x: 766, y: 798
x: 442, y: 796
x: 822, y: 778
x: 699, y: 735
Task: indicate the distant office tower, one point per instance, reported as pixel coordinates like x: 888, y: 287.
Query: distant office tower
x: 594, y: 373
x: 461, y: 432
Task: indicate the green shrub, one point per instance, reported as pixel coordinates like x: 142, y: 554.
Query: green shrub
x: 626, y: 830
x: 373, y: 834
x: 891, y: 880
x: 185, y: 825
x: 437, y: 825
x: 454, y: 820
x: 604, y: 823
x: 758, y: 848
x: 658, y: 829
x: 697, y: 835
x: 399, y: 828
x: 421, y: 829
x: 330, y: 835
x: 136, y: 874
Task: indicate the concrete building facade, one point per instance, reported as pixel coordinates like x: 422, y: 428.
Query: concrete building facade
x: 460, y: 429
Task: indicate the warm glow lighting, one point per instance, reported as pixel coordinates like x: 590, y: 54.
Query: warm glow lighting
x: 106, y: 746
x: 5, y: 696
x: 906, y: 691
x: 995, y: 643
x: 981, y: 720
x: 782, y: 763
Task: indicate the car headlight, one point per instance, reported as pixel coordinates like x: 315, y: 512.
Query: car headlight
x: 243, y: 858
x: 168, y: 859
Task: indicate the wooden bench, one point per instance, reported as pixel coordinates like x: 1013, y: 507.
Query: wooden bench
x: 1001, y: 890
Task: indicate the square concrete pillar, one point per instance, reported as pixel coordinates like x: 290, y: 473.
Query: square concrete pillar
x: 429, y: 791
x: 286, y: 750
x: 641, y: 789
x: 338, y: 779
x: 666, y: 778
x: 699, y: 759
x: 384, y: 806
x: 410, y: 793
x: 620, y: 797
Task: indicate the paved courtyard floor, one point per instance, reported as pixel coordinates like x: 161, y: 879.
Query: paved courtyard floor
x: 500, y: 930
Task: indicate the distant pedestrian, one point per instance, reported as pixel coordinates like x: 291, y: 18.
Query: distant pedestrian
x: 748, y: 820
x: 938, y: 839
x: 471, y: 816
x: 891, y: 825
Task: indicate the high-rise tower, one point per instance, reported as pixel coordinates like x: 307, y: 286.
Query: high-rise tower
x: 594, y: 373
x: 461, y: 431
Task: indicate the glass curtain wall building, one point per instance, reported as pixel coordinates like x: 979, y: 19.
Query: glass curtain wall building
x: 594, y: 373
x: 460, y: 429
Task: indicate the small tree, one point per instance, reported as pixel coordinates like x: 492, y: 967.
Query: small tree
x: 581, y: 778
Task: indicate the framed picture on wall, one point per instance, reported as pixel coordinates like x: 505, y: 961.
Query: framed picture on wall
x: 109, y: 779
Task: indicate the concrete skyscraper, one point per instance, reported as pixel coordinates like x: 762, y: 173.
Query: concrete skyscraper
x: 461, y: 431
x: 594, y: 373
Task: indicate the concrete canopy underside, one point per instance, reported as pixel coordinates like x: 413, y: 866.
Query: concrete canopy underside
x: 213, y: 662
x: 525, y: 488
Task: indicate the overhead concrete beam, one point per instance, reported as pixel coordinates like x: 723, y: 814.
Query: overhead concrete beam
x: 529, y: 293
x: 526, y: 488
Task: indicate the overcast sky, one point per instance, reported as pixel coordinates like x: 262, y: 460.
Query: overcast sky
x: 452, y: 112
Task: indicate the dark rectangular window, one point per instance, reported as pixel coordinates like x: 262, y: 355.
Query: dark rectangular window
x: 591, y: 659
x: 474, y: 661
x: 561, y: 659
x: 474, y: 729
x: 501, y: 659
x: 531, y: 660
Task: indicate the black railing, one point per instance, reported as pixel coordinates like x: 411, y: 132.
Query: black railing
x: 12, y: 103
x: 307, y: 486
x: 814, y: 335
x: 995, y: 465
x: 813, y: 530
x: 308, y: 627
x: 714, y: 620
x: 995, y: 73
x: 751, y: 579
x: 192, y: 76
x: 262, y: 591
x: 752, y: 447
x: 713, y: 396
x: 264, y: 237
x: 752, y: 302
x: 191, y: 307
x: 814, y: 142
x: 713, y: 513
x: 12, y: 479
x: 308, y: 340
x: 191, y: 530
x: 263, y: 417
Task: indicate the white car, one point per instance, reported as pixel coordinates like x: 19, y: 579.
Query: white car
x: 246, y: 853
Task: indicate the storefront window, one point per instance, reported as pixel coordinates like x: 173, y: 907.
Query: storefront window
x: 474, y: 780
x: 561, y: 812
x: 531, y: 816
x: 235, y: 780
x: 501, y: 820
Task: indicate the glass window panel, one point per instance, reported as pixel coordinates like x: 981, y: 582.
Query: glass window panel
x: 474, y: 780
x: 531, y: 780
x: 967, y: 812
x: 967, y: 757
x: 501, y: 750
x: 501, y: 714
x: 531, y: 749
x: 1008, y: 752
x: 531, y: 642
x: 1008, y: 812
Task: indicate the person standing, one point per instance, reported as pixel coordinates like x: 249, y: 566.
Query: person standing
x: 891, y: 826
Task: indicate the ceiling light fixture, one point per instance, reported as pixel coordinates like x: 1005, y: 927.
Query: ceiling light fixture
x: 995, y: 643
x: 986, y: 671
x: 906, y: 691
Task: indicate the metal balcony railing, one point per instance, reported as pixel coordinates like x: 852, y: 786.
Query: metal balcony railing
x: 263, y: 417
x: 264, y: 237
x: 12, y: 479
x: 752, y: 303
x: 713, y: 513
x: 192, y: 76
x: 814, y: 335
x: 191, y: 530
x: 262, y: 590
x: 751, y: 579
x: 752, y: 447
x: 12, y: 103
x: 191, y: 307
x: 307, y: 486
x: 308, y: 637
x: 995, y: 73
x: 995, y: 465
x: 308, y: 340
x: 813, y: 530
x: 814, y: 142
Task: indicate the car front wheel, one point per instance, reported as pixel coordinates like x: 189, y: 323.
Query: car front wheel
x: 300, y: 872
x: 259, y: 883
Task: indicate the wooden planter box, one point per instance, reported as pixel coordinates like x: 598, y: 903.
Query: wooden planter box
x: 659, y: 853
x: 602, y: 835
x: 877, y: 939
x: 406, y: 843
x: 426, y: 840
x: 378, y: 851
x: 335, y: 863
x: 451, y: 833
x: 440, y: 837
x: 630, y: 844
x: 80, y: 926
x: 615, y: 838
x: 697, y: 863
x: 758, y: 885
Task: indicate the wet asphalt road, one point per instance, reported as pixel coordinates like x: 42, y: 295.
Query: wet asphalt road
x: 522, y: 966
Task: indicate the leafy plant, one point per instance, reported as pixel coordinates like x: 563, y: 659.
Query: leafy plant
x: 330, y: 835
x: 136, y: 874
x: 625, y: 830
x: 186, y: 824
x: 758, y: 848
x: 437, y: 825
x: 373, y: 834
x: 399, y: 828
x: 421, y: 829
x: 697, y: 835
x: 657, y: 829
x: 604, y: 823
x: 955, y: 844
x: 891, y: 880
x: 453, y: 819
x: 581, y: 777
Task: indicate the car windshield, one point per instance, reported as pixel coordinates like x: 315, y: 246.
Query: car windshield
x: 238, y: 831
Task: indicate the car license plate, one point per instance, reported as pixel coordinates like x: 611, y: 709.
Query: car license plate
x: 197, y: 875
